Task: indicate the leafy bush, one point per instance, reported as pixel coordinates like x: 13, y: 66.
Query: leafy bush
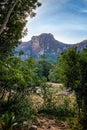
x: 18, y: 79
x: 61, y: 108
x: 74, y: 123
x: 8, y: 121
x: 20, y: 105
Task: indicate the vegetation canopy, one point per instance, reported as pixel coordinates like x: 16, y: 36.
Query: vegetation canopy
x: 13, y: 14
x: 21, y: 81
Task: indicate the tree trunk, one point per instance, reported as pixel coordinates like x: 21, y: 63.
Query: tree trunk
x: 3, y: 26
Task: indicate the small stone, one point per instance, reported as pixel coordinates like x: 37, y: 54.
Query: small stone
x: 43, y: 127
x: 51, y: 128
x: 33, y: 127
x: 43, y: 120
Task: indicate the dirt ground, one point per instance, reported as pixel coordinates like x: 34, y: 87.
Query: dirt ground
x: 46, y: 123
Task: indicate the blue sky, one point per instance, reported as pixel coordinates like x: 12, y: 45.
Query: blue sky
x: 65, y: 19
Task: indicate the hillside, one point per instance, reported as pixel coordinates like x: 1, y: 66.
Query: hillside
x: 48, y: 45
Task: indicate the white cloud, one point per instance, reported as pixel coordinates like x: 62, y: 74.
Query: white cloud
x: 66, y: 26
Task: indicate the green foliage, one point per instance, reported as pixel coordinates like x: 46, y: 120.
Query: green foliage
x: 30, y: 71
x: 69, y: 67
x: 20, y: 105
x: 54, y: 73
x: 74, y: 75
x: 18, y: 79
x: 46, y: 92
x: 8, y: 121
x: 19, y: 75
x: 59, y: 107
x: 44, y: 67
x: 14, y: 29
x: 74, y: 123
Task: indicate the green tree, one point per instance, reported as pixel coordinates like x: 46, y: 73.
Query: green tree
x: 18, y: 79
x: 54, y: 73
x: 69, y: 67
x: 74, y: 76
x: 14, y: 72
x: 44, y: 68
x: 13, y: 14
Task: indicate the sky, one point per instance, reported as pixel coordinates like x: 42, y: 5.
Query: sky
x: 65, y: 19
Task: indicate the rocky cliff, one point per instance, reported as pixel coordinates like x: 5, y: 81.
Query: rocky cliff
x: 46, y: 44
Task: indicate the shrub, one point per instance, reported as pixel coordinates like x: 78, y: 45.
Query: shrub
x: 8, y: 121
x: 20, y: 105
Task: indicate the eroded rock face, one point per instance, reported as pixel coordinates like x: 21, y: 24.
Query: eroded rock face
x: 48, y: 45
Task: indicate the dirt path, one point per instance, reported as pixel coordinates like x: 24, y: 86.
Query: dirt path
x: 45, y: 123
x: 55, y: 84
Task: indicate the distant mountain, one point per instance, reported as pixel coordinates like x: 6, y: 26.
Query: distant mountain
x: 46, y: 44
x: 81, y: 45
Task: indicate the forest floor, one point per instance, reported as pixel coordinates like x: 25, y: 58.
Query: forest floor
x: 45, y: 122
x: 49, y: 122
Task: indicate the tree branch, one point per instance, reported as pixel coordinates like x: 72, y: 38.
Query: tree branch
x: 8, y: 16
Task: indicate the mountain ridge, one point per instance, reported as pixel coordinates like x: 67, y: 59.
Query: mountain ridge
x: 46, y: 44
